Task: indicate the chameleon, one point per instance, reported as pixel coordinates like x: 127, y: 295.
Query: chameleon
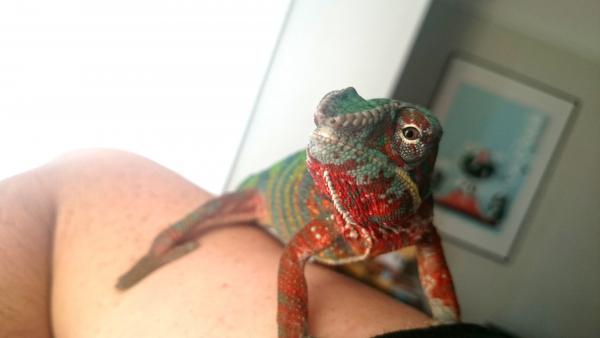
x: 360, y: 189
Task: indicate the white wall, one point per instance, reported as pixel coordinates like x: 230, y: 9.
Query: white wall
x: 549, y: 286
x: 326, y: 45
x: 174, y: 80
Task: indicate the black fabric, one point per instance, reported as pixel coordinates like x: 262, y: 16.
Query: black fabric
x: 448, y: 331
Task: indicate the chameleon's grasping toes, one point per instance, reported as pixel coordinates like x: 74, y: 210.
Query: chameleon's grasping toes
x: 362, y: 188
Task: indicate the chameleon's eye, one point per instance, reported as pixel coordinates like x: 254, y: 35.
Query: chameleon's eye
x: 411, y: 133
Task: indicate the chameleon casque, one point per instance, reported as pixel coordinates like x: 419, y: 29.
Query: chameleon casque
x: 361, y: 189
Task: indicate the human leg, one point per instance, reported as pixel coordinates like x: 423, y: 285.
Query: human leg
x: 109, y: 205
x: 26, y: 220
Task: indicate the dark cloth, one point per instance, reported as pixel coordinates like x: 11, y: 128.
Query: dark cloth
x: 448, y: 331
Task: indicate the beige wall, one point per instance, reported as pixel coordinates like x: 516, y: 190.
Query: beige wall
x: 550, y: 285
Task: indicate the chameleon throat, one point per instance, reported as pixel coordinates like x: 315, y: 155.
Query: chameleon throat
x: 350, y: 224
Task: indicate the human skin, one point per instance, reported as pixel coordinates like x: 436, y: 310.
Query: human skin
x: 70, y: 228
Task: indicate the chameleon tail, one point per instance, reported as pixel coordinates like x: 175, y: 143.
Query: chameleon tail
x: 179, y: 238
x: 149, y: 263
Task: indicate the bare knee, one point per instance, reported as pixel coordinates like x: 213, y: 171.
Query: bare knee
x: 110, y: 204
x: 96, y: 170
x: 83, y: 156
x: 90, y: 164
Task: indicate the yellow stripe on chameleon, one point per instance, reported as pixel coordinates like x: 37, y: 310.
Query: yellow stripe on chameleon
x: 290, y: 186
x: 413, y: 190
x: 271, y: 175
x: 276, y: 207
x: 279, y: 201
x: 297, y: 178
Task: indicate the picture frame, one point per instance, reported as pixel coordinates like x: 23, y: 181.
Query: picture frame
x: 501, y: 130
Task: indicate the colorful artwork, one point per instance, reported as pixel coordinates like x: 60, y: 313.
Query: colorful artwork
x: 483, y: 162
x: 500, y: 130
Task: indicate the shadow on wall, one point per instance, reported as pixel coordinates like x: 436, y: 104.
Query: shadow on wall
x: 439, y: 36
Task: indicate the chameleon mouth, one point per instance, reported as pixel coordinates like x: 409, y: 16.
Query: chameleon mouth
x: 328, y: 136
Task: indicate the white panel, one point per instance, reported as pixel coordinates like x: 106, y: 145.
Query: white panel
x: 326, y: 45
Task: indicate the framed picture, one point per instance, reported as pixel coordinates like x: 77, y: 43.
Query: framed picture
x: 500, y: 130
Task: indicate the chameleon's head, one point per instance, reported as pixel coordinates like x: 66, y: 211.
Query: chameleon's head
x: 375, y: 157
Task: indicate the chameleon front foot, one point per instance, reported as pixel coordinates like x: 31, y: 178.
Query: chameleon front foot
x: 151, y: 262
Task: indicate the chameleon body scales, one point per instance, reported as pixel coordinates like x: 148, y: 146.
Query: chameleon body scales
x: 360, y: 189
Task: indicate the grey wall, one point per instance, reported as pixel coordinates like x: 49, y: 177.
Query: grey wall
x: 550, y: 285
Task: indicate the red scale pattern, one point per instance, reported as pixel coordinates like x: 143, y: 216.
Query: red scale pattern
x: 363, y: 203
x: 292, y: 312
x: 435, y: 277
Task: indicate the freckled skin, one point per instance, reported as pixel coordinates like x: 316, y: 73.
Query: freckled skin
x: 361, y: 188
